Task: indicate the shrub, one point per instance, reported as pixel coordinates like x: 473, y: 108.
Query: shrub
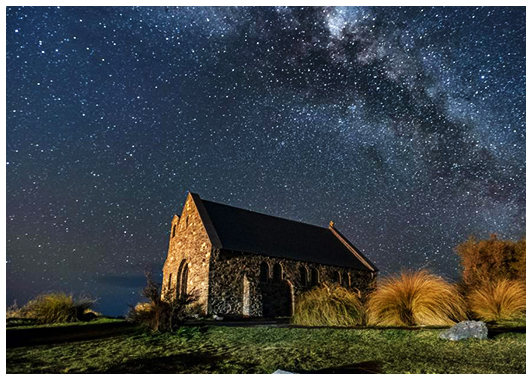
x: 161, y: 313
x: 492, y: 259
x: 14, y: 311
x: 415, y: 298
x: 328, y: 305
x: 499, y: 300
x: 57, y: 308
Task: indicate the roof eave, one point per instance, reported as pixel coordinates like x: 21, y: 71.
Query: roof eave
x: 363, y: 259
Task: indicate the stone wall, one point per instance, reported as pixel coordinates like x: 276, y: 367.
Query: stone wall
x: 226, y: 282
x: 191, y: 247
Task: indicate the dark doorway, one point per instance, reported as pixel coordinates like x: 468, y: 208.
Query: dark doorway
x: 276, y: 299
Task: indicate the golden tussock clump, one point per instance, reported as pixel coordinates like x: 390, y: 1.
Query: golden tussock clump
x: 415, y: 298
x: 499, y: 300
x: 328, y: 305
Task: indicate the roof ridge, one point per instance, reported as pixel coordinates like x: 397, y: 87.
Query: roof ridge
x: 261, y: 213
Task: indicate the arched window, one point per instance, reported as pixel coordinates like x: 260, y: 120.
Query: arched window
x: 184, y: 280
x: 179, y: 279
x: 174, y: 229
x: 169, y: 286
x: 277, y: 273
x: 304, y: 276
x: 314, y: 277
x: 346, y: 280
x: 264, y: 272
x: 337, y: 277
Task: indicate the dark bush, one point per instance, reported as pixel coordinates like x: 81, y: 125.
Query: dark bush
x: 492, y: 260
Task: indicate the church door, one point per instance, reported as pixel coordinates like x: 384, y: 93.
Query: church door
x: 277, y: 299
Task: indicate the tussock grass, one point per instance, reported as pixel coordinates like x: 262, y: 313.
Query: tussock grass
x: 56, y: 308
x: 162, y: 313
x: 500, y: 300
x: 415, y: 298
x: 328, y: 305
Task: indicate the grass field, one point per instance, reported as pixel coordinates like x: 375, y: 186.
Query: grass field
x: 218, y: 349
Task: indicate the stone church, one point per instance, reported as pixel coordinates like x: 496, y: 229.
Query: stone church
x: 244, y: 263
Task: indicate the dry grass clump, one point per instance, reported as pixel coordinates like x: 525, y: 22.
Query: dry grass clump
x: 415, y: 298
x: 328, y: 305
x: 56, y: 308
x: 13, y: 311
x: 161, y: 313
x: 500, y: 300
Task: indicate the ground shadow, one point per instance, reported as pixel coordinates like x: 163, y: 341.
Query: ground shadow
x: 494, y: 331
x: 63, y: 334
x: 179, y: 363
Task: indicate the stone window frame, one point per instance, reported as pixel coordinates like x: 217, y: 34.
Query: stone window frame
x: 180, y: 280
x: 184, y: 280
x: 346, y: 280
x: 265, y: 273
x: 314, y: 277
x: 337, y: 277
x: 169, y: 284
x: 303, y: 275
x: 281, y: 271
x: 174, y: 230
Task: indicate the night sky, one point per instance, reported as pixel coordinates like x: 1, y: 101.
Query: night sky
x: 406, y: 126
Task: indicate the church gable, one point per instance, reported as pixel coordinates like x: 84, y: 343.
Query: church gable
x: 187, y: 263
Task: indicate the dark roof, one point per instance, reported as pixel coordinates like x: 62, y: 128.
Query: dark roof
x: 247, y: 231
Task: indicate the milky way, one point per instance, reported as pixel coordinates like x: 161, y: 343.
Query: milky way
x: 406, y: 126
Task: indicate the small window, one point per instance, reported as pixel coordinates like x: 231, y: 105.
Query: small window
x: 169, y: 286
x: 277, y: 273
x: 179, y: 280
x: 264, y: 272
x: 174, y: 230
x: 314, y: 277
x: 184, y: 281
x: 304, y: 276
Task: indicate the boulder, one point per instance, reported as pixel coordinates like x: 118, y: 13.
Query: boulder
x: 281, y: 372
x: 465, y: 330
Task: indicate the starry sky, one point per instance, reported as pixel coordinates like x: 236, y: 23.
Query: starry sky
x: 406, y: 126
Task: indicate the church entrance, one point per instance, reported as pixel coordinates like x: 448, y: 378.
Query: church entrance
x: 277, y: 299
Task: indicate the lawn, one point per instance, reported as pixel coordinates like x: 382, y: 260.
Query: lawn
x: 218, y: 349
